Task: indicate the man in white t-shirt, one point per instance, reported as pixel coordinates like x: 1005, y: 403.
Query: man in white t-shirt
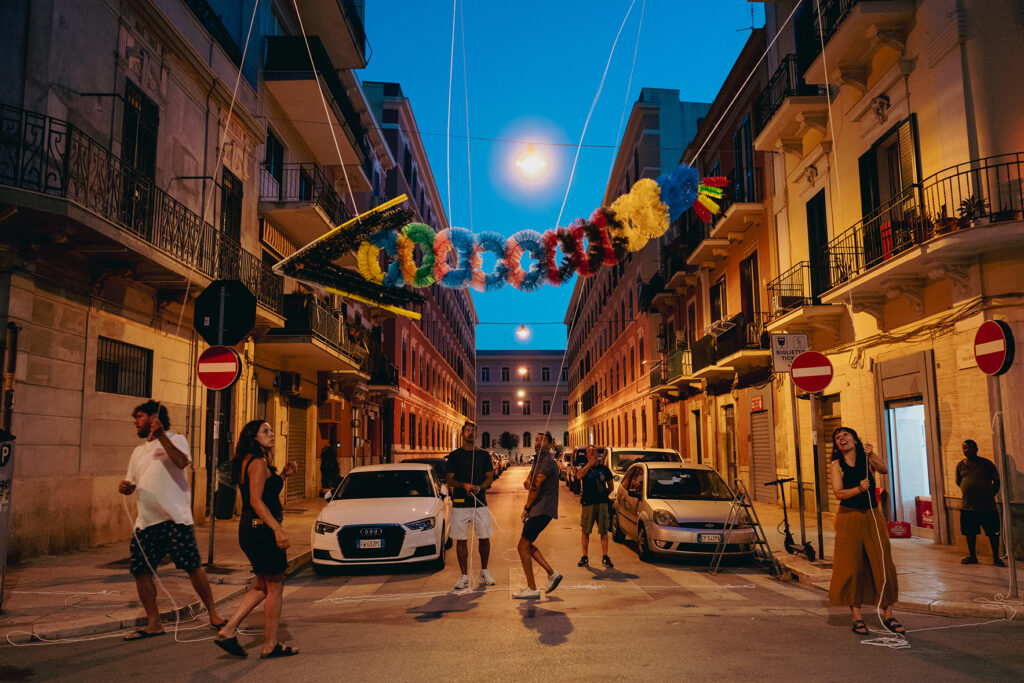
x: 164, y: 526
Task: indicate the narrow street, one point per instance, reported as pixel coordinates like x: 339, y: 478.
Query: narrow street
x: 661, y: 621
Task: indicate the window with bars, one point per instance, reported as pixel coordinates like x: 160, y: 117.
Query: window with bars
x: 123, y: 368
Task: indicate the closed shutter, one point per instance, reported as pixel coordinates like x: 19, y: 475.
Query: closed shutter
x: 297, y: 448
x: 763, y: 457
x: 907, y: 139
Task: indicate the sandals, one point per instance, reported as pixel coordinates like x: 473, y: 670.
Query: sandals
x: 142, y: 635
x: 231, y: 646
x: 859, y: 627
x: 279, y: 651
x: 894, y: 626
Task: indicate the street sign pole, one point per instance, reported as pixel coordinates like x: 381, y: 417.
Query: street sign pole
x: 819, y: 452
x: 799, y: 468
x: 211, y: 476
x: 1011, y: 561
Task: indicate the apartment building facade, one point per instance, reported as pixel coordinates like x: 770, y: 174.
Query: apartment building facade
x: 523, y: 393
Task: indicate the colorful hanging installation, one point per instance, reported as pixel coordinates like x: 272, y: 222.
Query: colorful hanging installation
x: 632, y: 220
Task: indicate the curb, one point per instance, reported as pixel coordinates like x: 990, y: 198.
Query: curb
x: 191, y: 609
x: 946, y: 608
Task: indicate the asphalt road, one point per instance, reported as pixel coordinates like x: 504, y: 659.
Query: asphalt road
x: 661, y: 621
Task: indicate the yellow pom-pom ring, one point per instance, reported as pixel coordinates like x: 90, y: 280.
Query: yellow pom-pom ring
x: 369, y: 267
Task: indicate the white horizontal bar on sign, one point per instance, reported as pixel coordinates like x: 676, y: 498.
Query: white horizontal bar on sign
x: 812, y: 371
x: 217, y: 367
x: 994, y: 346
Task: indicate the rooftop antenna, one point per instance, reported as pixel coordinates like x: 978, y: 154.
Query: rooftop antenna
x: 751, y: 27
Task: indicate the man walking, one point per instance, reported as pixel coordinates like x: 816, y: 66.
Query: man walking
x: 541, y: 507
x: 164, y: 526
x: 470, y: 473
x: 595, y: 486
x: 978, y: 480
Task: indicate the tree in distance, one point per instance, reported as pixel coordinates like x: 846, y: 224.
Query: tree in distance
x: 509, y: 442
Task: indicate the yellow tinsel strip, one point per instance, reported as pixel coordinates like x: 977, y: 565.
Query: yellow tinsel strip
x: 367, y: 260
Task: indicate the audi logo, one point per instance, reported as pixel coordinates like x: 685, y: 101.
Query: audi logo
x: 371, y: 532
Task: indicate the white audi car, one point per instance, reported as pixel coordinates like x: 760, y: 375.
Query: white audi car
x: 383, y: 514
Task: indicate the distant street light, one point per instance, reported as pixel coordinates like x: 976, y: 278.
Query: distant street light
x: 519, y: 403
x: 523, y: 333
x: 520, y: 393
x: 522, y: 371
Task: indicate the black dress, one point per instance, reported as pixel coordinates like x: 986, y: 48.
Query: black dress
x: 256, y: 538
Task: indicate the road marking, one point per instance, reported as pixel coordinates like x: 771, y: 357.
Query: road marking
x: 356, y: 586
x: 701, y: 585
x: 789, y: 590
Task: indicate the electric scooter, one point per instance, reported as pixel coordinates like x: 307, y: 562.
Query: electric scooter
x: 792, y: 547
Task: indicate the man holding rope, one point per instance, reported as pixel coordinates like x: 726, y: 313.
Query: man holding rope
x: 470, y: 473
x: 541, y: 507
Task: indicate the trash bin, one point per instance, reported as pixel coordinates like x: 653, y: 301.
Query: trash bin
x: 6, y: 478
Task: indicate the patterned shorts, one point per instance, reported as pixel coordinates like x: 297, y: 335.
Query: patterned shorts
x: 161, y: 540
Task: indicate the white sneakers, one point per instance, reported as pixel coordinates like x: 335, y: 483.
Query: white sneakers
x: 553, y: 580
x: 463, y: 583
x: 527, y: 594
x: 486, y: 578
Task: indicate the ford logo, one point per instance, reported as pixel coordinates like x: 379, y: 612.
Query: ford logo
x: 371, y: 532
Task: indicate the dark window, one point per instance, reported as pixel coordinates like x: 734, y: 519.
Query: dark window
x: 485, y: 440
x: 390, y: 115
x: 123, y: 368
x: 565, y: 407
x: 485, y: 407
x: 750, y: 299
x: 139, y: 131
x: 817, y: 240
x: 504, y: 374
x: 274, y: 157
x: 231, y: 205
x: 526, y: 407
x: 545, y: 374
x: 717, y: 300
x: 546, y: 407
x: 262, y: 399
x: 565, y: 374
x: 506, y: 407
x: 527, y: 440
x: 485, y: 374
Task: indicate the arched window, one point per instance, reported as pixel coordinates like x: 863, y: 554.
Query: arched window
x: 634, y: 428
x: 527, y: 441
x: 643, y: 424
x: 485, y: 440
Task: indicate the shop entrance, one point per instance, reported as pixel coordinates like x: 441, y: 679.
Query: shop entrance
x: 909, y: 487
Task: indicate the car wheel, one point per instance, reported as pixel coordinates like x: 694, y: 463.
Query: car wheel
x: 438, y: 564
x: 642, y: 547
x: 617, y: 534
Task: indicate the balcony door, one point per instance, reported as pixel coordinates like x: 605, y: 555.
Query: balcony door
x: 743, y: 151
x: 888, y: 173
x: 750, y: 298
x: 139, y: 126
x: 817, y: 244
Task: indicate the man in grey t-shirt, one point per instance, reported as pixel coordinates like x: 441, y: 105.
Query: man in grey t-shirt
x: 541, y: 507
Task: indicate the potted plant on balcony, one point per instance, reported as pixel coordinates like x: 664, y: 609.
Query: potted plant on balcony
x: 971, y: 209
x: 1005, y: 214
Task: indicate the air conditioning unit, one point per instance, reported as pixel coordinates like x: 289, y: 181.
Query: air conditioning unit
x: 289, y: 383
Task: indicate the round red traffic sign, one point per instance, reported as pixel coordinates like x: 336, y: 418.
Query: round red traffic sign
x: 993, y: 347
x: 219, y: 367
x: 811, y: 371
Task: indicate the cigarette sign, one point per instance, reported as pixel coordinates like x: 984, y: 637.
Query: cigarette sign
x: 786, y: 347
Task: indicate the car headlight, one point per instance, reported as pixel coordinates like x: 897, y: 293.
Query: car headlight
x: 663, y: 518
x: 325, y: 528
x: 421, y: 524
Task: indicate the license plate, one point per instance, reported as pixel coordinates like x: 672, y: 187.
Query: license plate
x: 365, y: 543
x: 709, y: 538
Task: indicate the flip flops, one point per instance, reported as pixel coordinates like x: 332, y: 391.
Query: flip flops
x: 231, y: 646
x: 279, y: 651
x: 859, y: 627
x: 142, y: 635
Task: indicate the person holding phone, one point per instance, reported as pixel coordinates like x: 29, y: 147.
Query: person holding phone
x: 596, y: 485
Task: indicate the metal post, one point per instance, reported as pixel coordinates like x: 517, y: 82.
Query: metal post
x: 799, y: 469
x: 211, y: 478
x: 1004, y: 465
x: 819, y: 451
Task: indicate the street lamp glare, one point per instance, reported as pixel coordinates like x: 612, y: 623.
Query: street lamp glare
x: 531, y: 163
x: 520, y: 393
x: 522, y: 371
x: 523, y: 333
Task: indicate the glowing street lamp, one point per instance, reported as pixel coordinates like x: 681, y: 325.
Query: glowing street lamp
x: 523, y: 333
x: 522, y: 371
x: 531, y: 163
x: 519, y: 403
x: 520, y: 393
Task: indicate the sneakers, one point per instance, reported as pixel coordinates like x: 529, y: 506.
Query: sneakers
x: 607, y: 562
x: 486, y: 578
x: 970, y: 559
x: 999, y: 562
x: 584, y: 561
x: 527, y: 594
x: 463, y: 583
x: 553, y: 581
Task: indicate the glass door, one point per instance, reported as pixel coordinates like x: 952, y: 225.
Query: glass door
x: 910, y: 488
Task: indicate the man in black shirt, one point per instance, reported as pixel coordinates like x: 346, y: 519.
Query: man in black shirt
x: 595, y: 486
x: 978, y: 480
x: 470, y: 473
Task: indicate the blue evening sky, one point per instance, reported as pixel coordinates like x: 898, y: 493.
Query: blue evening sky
x: 532, y: 70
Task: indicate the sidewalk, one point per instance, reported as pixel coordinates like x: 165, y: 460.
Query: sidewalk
x: 90, y: 592
x: 931, y: 578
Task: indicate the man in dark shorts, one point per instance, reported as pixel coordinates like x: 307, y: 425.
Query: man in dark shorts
x: 596, y: 485
x: 164, y: 524
x: 541, y: 507
x: 978, y: 480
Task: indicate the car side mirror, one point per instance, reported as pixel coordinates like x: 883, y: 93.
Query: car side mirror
x: 444, y: 491
x: 328, y: 495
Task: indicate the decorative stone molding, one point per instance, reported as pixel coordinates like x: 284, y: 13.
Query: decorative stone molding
x: 880, y: 108
x: 872, y: 305
x: 956, y: 273
x: 791, y: 146
x: 910, y: 289
x: 813, y: 120
x: 892, y: 36
x: 811, y: 174
x: 855, y: 76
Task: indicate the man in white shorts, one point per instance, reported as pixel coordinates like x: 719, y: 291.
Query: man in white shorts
x: 470, y: 473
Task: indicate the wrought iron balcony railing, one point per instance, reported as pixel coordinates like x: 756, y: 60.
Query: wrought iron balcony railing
x: 349, y: 9
x: 42, y: 154
x: 679, y: 364
x: 798, y: 286
x: 304, y: 314
x: 743, y: 331
x: 787, y: 81
x: 746, y: 185
x: 211, y: 21
x: 703, y: 352
x: 302, y: 183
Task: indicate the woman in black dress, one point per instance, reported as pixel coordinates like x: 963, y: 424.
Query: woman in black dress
x: 261, y: 537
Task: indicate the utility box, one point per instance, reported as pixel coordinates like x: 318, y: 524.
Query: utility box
x: 6, y: 480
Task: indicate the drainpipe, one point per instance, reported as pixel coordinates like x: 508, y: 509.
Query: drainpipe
x: 11, y: 343
x: 969, y: 114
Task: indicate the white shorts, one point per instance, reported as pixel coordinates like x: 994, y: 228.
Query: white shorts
x: 461, y: 518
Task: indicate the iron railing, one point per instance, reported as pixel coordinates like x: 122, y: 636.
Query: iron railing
x: 680, y: 364
x: 302, y: 183
x: 922, y: 211
x: 287, y: 54
x: 702, y: 352
x: 798, y: 286
x: 657, y: 376
x: 43, y: 154
x: 383, y: 373
x: 348, y: 7
x: 304, y: 314
x: 211, y: 21
x: 742, y: 331
x: 787, y: 81
x: 826, y: 20
x: 746, y: 185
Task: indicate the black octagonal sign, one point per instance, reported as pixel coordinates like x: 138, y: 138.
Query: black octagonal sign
x: 239, y: 312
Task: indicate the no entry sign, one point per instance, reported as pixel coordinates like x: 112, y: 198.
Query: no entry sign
x: 811, y: 371
x: 993, y: 347
x: 218, y: 367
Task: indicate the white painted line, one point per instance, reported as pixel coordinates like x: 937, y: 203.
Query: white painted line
x: 995, y: 346
x: 814, y: 371
x: 217, y: 367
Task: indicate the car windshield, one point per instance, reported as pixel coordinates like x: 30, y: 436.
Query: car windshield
x: 621, y: 460
x: 673, y: 484
x: 385, y: 484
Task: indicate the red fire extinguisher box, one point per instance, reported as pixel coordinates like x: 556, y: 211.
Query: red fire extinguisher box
x: 925, y: 515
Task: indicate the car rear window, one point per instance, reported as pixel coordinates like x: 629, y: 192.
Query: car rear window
x: 673, y: 484
x: 385, y: 484
x: 621, y: 460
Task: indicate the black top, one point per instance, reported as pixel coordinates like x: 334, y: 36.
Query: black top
x: 594, y: 485
x: 852, y: 477
x: 978, y: 480
x: 271, y: 494
x: 469, y: 467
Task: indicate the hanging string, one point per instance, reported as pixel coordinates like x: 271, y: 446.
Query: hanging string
x: 448, y: 134
x: 629, y: 85
x: 465, y: 82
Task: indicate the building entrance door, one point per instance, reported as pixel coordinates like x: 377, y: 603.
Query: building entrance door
x: 908, y: 468
x: 730, y: 444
